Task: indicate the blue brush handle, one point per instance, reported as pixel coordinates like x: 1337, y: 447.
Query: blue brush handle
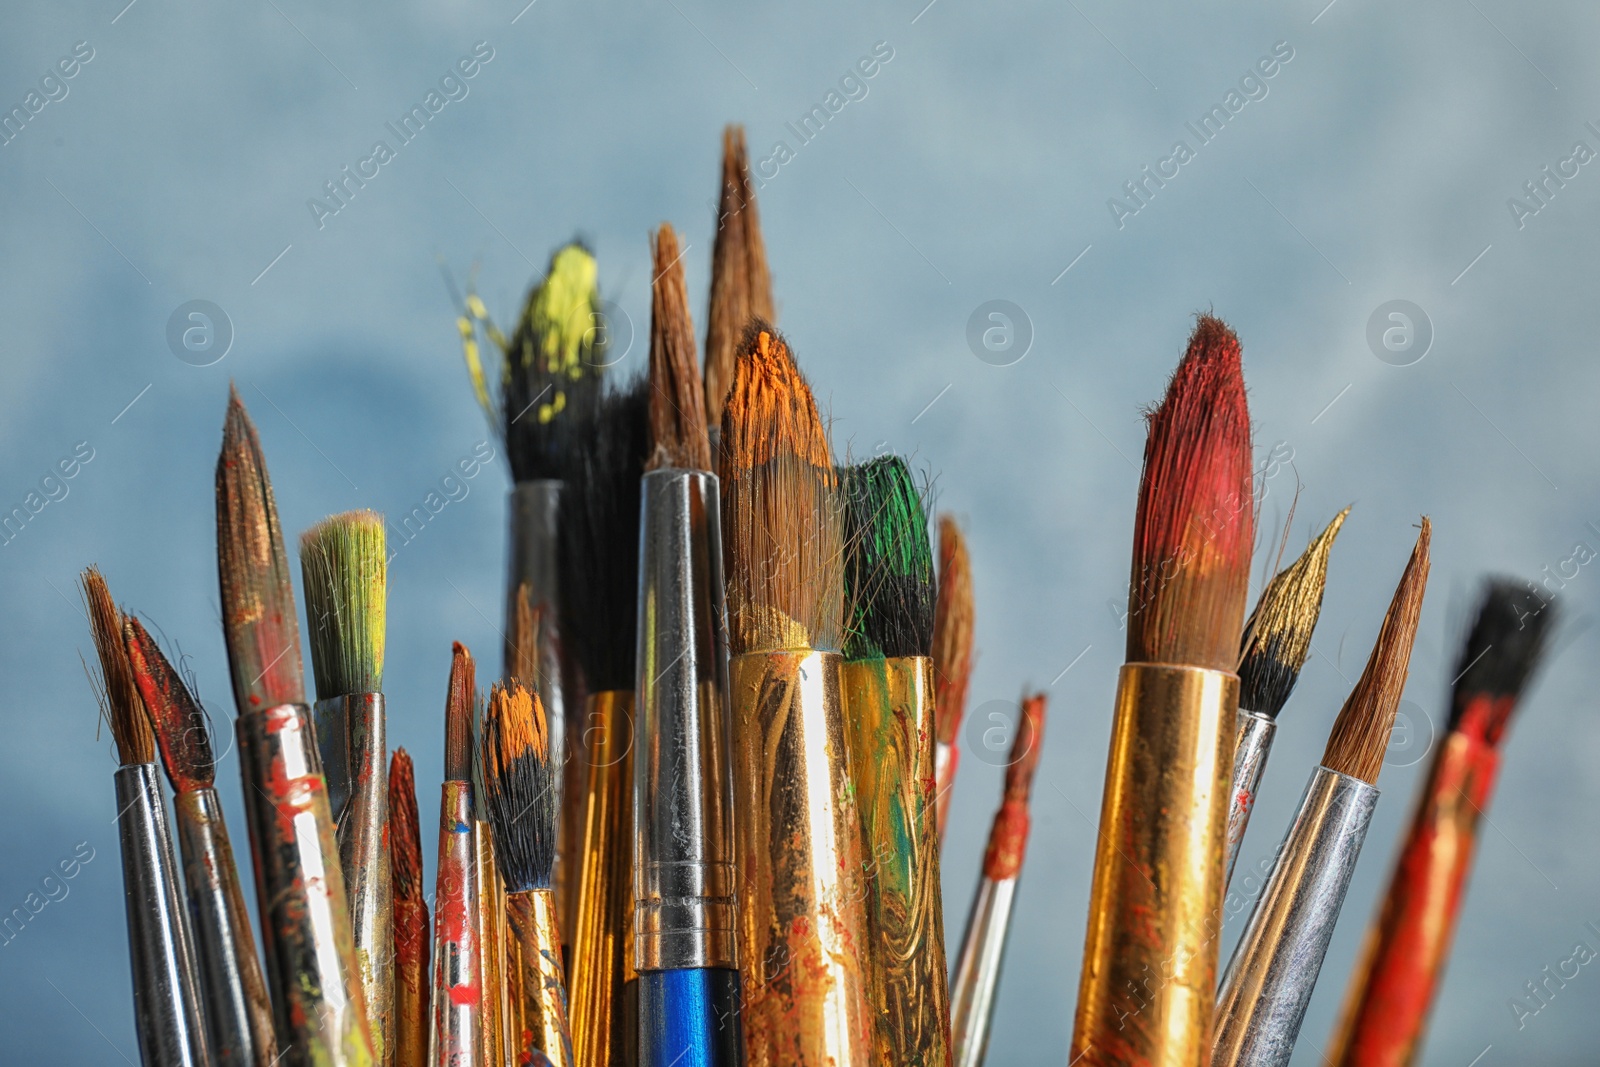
x: 690, y: 1018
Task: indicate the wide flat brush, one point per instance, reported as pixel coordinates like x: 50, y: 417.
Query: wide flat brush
x: 233, y: 991
x: 1270, y: 979
x: 411, y: 942
x: 166, y: 995
x: 741, y: 287
x: 953, y: 633
x: 456, y: 1035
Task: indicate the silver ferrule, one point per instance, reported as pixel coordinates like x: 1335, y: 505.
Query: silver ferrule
x: 977, y: 978
x: 1249, y: 761
x: 166, y: 991
x: 683, y: 873
x: 1274, y: 968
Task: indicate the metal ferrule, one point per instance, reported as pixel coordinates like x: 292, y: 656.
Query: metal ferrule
x: 491, y: 948
x: 684, y: 886
x: 537, y: 1011
x: 355, y: 757
x: 305, y: 922
x: 233, y: 992
x: 456, y: 1036
x: 802, y: 907
x: 1155, y: 907
x: 166, y: 993
x: 1253, y: 743
x: 1274, y: 968
x: 690, y: 1018
x: 889, y: 708
x: 945, y: 757
x: 977, y: 978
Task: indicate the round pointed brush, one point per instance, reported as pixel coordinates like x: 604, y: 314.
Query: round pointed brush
x: 456, y: 1035
x: 741, y: 286
x: 952, y: 655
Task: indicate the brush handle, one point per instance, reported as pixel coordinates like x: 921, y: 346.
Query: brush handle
x: 1250, y: 750
x: 456, y: 1039
x: 976, y: 984
x: 690, y: 1018
x: 491, y: 949
x: 233, y: 991
x: 538, y: 1009
x: 412, y: 978
x: 946, y: 756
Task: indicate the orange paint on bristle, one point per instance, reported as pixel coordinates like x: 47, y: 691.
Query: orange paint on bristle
x: 1195, y: 527
x: 952, y: 630
x: 1008, y: 837
x: 770, y: 410
x: 521, y: 725
x: 179, y: 723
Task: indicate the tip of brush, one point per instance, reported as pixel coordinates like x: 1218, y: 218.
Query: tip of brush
x: 1026, y: 748
x: 888, y: 562
x: 1508, y: 639
x: 1195, y: 524
x: 953, y: 629
x: 741, y: 286
x: 1277, y: 639
x: 1361, y: 732
x: 121, y: 703
x: 179, y: 722
x: 520, y: 787
x: 459, y: 706
x: 677, y: 404
x: 405, y: 832
x: 344, y: 569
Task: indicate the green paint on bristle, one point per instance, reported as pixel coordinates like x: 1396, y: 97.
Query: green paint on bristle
x: 889, y: 562
x: 344, y: 570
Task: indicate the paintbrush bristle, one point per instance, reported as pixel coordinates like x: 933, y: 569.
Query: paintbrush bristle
x: 599, y: 537
x: 1195, y: 523
x: 405, y: 832
x: 677, y: 405
x: 782, y: 523
x: 1026, y: 748
x: 175, y: 715
x: 344, y: 570
x: 258, y: 616
x: 123, y: 707
x: 953, y: 630
x: 522, y: 638
x: 520, y: 787
x: 888, y: 562
x: 459, y: 706
x: 1277, y: 639
x: 1502, y: 650
x: 1361, y: 732
x: 741, y: 287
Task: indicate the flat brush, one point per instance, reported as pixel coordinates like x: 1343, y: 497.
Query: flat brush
x: 233, y: 992
x: 344, y: 569
x: 976, y: 986
x: 166, y: 996
x: 684, y: 922
x: 411, y: 942
x: 1149, y: 964
x: 457, y: 1028
x: 741, y: 287
x: 1391, y: 991
x: 887, y: 679
x: 1269, y: 981
x: 1277, y: 640
x: 312, y: 972
x: 952, y: 655
x: 520, y: 788
x: 802, y: 916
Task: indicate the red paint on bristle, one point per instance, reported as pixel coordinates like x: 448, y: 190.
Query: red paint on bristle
x: 179, y: 724
x: 1008, y: 837
x: 1195, y: 527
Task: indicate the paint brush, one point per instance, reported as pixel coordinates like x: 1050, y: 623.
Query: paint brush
x: 802, y: 920
x: 411, y: 942
x: 344, y: 571
x: 1269, y: 981
x: 1149, y: 965
x: 684, y: 946
x: 233, y: 992
x: 887, y: 680
x: 520, y: 786
x: 312, y: 972
x: 1385, y: 1012
x: 952, y: 655
x: 166, y: 995
x: 976, y: 985
x: 1277, y: 640
x: 741, y: 287
x: 456, y: 1034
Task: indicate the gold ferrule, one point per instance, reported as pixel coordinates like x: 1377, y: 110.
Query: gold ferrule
x: 889, y: 708
x: 537, y: 1017
x: 492, y: 950
x: 604, y: 877
x: 1155, y: 909
x: 802, y: 920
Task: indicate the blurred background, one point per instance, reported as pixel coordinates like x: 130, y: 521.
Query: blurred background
x: 990, y: 157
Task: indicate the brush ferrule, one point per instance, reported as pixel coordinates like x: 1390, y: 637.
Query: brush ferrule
x: 166, y: 995
x: 683, y: 872
x: 305, y: 922
x: 977, y: 978
x: 1253, y: 743
x: 537, y: 1003
x: 458, y: 989
x: 1274, y: 968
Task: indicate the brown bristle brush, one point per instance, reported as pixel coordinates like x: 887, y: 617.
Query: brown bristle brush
x: 461, y: 990
x: 741, y: 287
x: 953, y: 632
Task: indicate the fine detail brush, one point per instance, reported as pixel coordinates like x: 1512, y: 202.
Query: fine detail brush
x: 684, y: 923
x: 520, y: 786
x: 233, y: 992
x: 953, y: 632
x: 166, y: 990
x: 411, y: 942
x: 1385, y: 1013
x: 802, y: 915
x: 1149, y: 963
x: 456, y: 1031
x: 976, y: 985
x: 1277, y: 640
x: 344, y: 571
x: 312, y: 973
x: 887, y: 680
x: 741, y: 287
x: 1270, y: 979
